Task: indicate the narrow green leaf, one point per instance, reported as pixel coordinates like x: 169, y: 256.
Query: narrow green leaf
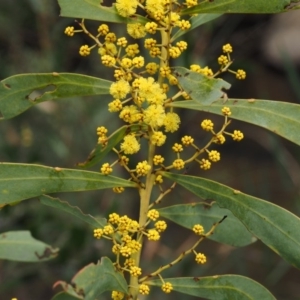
x: 203, y: 89
x: 65, y: 296
x: 281, y: 118
x: 93, y: 10
x: 21, y: 246
x: 196, y: 21
x: 243, y: 6
x: 24, y: 181
x: 20, y: 92
x: 93, y: 280
x: 225, y: 287
x: 231, y: 231
x: 100, y: 152
x: 273, y: 225
x: 73, y: 210
x: 68, y: 293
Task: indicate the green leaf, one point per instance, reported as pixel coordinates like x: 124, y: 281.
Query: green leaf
x: 100, y: 152
x: 225, y: 287
x: 20, y: 92
x: 93, y: 280
x: 242, y: 6
x: 231, y: 231
x: 24, y: 181
x: 281, y: 118
x: 93, y: 10
x: 201, y: 88
x: 73, y: 210
x: 69, y: 292
x: 21, y: 246
x: 273, y: 225
x: 65, y: 296
x: 196, y: 21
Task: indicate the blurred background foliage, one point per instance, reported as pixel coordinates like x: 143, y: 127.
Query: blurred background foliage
x: 63, y: 133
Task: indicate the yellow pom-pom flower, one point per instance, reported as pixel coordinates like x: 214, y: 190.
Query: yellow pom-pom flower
x: 143, y: 168
x: 144, y: 289
x: 227, y: 48
x: 135, y: 271
x: 177, y: 148
x: 106, y: 169
x: 200, y: 258
x: 178, y: 164
x: 136, y: 30
x: 116, y: 295
x: 158, y: 160
x: 153, y: 235
x: 153, y: 214
x: 240, y: 74
x: 160, y: 226
x: 103, y: 29
x: 119, y: 89
x: 158, y: 138
x: 198, y: 229
x: 187, y: 140
x: 207, y: 125
x: 98, y: 233
x: 84, y: 50
x: 69, y: 31
x: 205, y: 164
x: 130, y: 144
x: 126, y: 8
x: 226, y: 111
x: 223, y: 60
x: 214, y: 155
x: 167, y: 287
x: 237, y: 135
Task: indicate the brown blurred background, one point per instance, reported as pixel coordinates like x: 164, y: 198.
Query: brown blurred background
x: 62, y: 133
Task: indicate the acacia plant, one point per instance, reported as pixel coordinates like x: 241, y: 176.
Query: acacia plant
x: 148, y: 92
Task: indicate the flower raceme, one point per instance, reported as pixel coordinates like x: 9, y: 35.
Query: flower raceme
x: 141, y: 94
